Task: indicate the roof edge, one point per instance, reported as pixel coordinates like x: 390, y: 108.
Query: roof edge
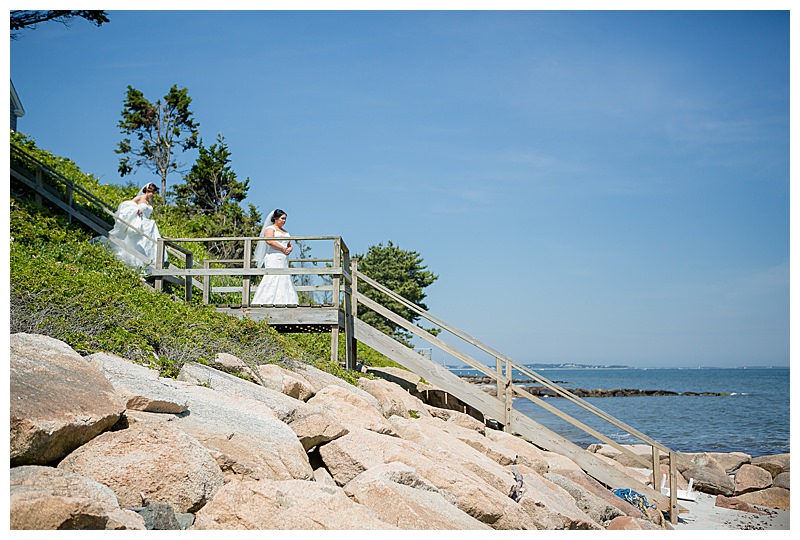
x: 19, y: 110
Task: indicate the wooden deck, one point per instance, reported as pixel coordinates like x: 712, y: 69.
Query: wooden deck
x: 291, y: 319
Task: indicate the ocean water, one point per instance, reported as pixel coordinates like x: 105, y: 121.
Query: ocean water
x: 753, y: 419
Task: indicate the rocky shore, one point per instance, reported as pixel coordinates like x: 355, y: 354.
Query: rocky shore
x: 489, y: 386
x: 99, y: 442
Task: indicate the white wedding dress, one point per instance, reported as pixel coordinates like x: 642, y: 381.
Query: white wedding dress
x: 275, y: 290
x: 134, y: 238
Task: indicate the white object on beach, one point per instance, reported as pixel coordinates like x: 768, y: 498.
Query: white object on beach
x: 687, y: 495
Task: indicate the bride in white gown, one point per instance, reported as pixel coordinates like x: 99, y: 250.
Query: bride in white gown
x: 273, y: 289
x: 139, y: 233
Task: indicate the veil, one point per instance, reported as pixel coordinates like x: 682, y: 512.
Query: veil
x: 141, y: 189
x: 261, y: 246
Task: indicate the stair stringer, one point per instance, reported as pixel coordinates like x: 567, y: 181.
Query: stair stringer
x: 492, y: 408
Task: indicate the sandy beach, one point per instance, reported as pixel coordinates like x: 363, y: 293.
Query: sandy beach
x: 704, y: 515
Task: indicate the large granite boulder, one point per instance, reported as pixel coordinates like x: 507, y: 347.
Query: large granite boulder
x: 709, y: 476
x: 479, y: 441
x: 351, y: 410
x: 230, y: 361
x: 348, y: 456
x: 285, y: 505
x: 589, y: 485
x: 46, y: 498
x: 430, y: 435
x: 630, y: 523
x: 552, y: 507
x: 207, y: 377
x: 751, y: 478
x: 240, y: 455
x: 59, y: 401
x: 319, y: 379
x: 360, y: 450
x: 772, y: 497
x: 458, y: 418
x: 235, y: 410
x: 527, y: 454
x: 557, y: 463
x: 399, y: 496
x: 730, y: 461
x: 775, y: 464
x: 315, y: 427
x: 782, y: 480
x: 598, y: 508
x: 736, y: 504
x: 138, y: 386
x: 151, y: 460
x: 393, y: 400
x: 285, y: 381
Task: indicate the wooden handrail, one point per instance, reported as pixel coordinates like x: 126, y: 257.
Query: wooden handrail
x: 173, y: 271
x: 234, y: 238
x: 496, y: 374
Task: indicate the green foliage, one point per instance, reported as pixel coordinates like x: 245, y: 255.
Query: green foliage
x: 159, y: 127
x: 212, y: 182
x: 404, y: 273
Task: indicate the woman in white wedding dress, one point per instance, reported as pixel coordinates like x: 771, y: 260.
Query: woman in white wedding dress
x: 138, y: 233
x: 274, y: 290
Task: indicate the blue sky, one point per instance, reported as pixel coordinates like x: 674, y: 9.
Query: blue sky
x: 601, y: 187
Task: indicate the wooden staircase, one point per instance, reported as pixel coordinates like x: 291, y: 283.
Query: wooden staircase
x: 339, y: 316
x: 501, y: 410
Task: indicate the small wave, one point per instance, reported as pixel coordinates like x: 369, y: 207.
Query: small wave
x: 740, y: 393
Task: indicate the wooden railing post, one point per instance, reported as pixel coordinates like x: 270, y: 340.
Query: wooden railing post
x: 673, y: 489
x: 656, y: 468
x: 187, y: 280
x: 509, y: 398
x: 353, y: 309
x: 349, y: 327
x: 354, y: 285
x: 206, y: 284
x: 159, y: 282
x: 248, y: 257
x: 337, y: 265
x: 498, y: 368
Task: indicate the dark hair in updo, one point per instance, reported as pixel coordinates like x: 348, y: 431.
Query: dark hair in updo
x: 150, y: 188
x: 276, y: 214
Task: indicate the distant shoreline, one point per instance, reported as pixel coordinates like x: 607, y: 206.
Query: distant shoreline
x: 488, y: 385
x: 541, y: 367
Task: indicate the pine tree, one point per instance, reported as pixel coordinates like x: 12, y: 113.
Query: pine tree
x: 404, y: 273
